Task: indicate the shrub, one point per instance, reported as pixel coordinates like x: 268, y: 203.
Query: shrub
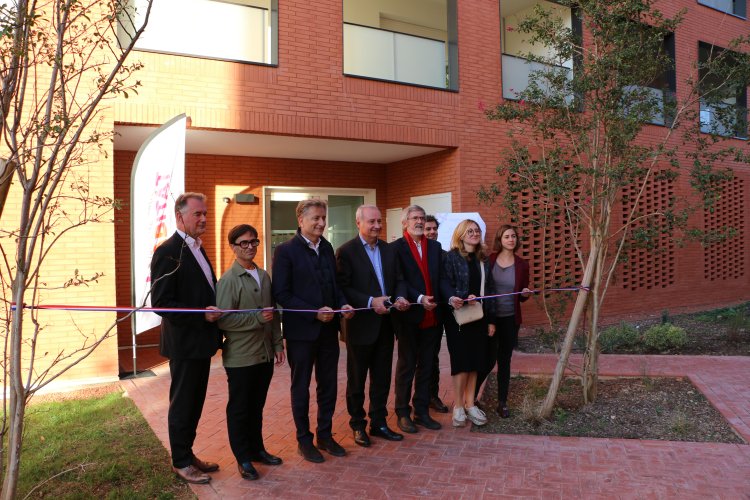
x: 663, y: 337
x: 614, y: 337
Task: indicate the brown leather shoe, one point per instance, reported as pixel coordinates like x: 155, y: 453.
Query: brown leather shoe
x: 204, y: 466
x: 192, y: 475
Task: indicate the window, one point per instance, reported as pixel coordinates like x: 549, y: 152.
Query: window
x: 412, y: 42
x: 660, y: 92
x: 516, y: 69
x: 723, y: 108
x: 237, y: 30
x: 736, y: 7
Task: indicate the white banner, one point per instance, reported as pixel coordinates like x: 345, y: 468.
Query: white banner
x: 157, y: 179
x: 449, y: 221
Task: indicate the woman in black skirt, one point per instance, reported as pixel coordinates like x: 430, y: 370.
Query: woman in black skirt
x: 467, y: 343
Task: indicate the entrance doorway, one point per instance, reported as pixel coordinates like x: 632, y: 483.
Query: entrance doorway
x: 280, y: 219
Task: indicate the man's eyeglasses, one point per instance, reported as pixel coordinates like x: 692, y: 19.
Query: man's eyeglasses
x: 417, y: 218
x: 247, y: 243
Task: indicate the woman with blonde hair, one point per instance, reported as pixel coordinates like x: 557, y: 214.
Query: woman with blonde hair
x: 467, y: 274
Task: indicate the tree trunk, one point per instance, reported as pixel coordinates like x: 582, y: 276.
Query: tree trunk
x: 17, y: 399
x: 562, y: 362
x: 590, y: 376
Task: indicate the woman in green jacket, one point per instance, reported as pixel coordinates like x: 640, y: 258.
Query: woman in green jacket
x: 252, y: 344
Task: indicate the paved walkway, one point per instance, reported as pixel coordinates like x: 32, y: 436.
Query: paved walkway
x: 456, y: 463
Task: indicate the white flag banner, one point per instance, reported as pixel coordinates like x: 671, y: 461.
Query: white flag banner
x: 449, y: 221
x: 157, y: 179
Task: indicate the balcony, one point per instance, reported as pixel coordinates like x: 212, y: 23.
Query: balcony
x: 517, y: 73
x: 399, y: 57
x: 727, y: 120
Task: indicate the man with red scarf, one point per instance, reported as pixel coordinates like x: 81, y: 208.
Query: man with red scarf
x: 418, y: 329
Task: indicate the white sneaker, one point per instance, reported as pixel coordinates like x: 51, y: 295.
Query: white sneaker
x: 459, y: 417
x: 476, y: 415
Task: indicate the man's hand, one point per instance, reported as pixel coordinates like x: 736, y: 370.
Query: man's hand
x: 267, y: 314
x: 325, y: 314
x: 347, y: 315
x: 378, y: 304
x: 401, y: 304
x: 280, y: 357
x: 526, y: 292
x: 428, y: 302
x: 456, y: 302
x: 491, y: 330
x: 212, y: 317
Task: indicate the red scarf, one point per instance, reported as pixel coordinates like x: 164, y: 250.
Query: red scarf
x: 429, y: 316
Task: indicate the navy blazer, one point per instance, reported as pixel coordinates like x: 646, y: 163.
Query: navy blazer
x: 358, y: 281
x: 295, y: 286
x: 179, y: 282
x: 414, y: 282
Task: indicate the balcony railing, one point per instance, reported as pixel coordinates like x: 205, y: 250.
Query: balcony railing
x: 517, y: 72
x: 661, y: 101
x: 389, y: 55
x: 725, y: 120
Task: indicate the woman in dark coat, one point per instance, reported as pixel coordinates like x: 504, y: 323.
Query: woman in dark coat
x: 467, y: 343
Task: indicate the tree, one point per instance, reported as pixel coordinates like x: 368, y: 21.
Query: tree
x: 60, y: 61
x: 582, y: 143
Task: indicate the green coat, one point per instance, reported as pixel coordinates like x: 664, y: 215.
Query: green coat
x: 247, y: 339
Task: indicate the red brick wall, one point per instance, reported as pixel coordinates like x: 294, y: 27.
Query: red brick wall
x: 307, y: 95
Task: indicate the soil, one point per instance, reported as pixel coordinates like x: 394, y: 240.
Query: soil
x: 632, y: 408
x: 709, y: 333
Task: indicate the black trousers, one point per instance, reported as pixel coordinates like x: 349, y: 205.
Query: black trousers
x: 377, y: 359
x: 435, y: 376
x: 248, y: 388
x: 501, y: 349
x: 416, y: 357
x: 187, y: 393
x: 321, y: 354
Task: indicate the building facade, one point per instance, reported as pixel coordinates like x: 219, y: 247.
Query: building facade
x: 375, y: 101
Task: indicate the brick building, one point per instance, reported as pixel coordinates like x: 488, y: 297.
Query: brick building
x: 376, y: 101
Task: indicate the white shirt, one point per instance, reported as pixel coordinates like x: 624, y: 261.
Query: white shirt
x: 195, y: 247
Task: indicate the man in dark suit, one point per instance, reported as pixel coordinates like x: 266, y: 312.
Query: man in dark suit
x: 368, y: 275
x: 431, y: 233
x: 304, y: 278
x: 182, y: 277
x: 418, y: 329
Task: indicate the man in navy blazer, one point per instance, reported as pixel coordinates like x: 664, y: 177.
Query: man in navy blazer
x: 369, y: 277
x: 418, y: 329
x: 304, y: 278
x: 183, y: 278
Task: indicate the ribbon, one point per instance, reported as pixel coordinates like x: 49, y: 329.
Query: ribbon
x: 128, y: 309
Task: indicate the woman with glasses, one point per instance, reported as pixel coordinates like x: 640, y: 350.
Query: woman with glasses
x: 466, y: 269
x: 252, y: 343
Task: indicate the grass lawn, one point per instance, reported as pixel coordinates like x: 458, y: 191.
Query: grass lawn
x: 96, y: 447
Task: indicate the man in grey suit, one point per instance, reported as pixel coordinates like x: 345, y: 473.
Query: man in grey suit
x: 367, y: 273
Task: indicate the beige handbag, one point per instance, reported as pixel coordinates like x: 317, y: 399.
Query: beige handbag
x: 471, y: 311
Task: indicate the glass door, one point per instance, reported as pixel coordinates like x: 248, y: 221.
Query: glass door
x: 281, y: 220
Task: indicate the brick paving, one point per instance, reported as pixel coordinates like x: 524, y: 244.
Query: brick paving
x: 456, y: 463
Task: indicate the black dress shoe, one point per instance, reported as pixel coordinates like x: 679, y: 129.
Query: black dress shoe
x: 385, y: 433
x: 437, y: 405
x: 406, y: 425
x: 265, y: 458
x: 247, y: 471
x: 361, y: 438
x: 331, y: 446
x: 310, y: 452
x: 503, y: 411
x: 427, y: 421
